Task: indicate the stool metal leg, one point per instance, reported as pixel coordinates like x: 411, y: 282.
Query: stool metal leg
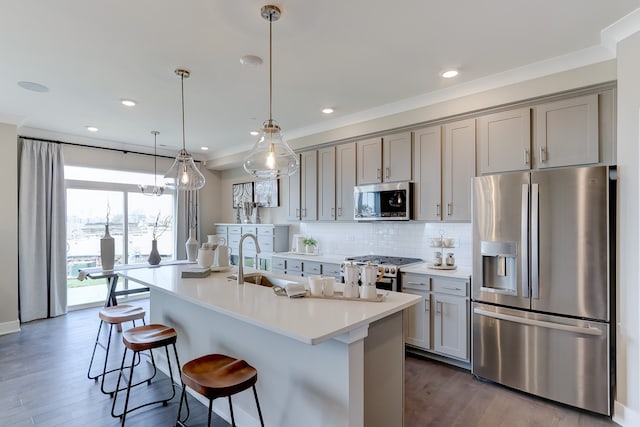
x: 255, y: 394
x: 233, y: 421
x: 95, y: 345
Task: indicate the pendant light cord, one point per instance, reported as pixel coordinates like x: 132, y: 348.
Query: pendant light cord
x: 270, y: 68
x: 182, y: 91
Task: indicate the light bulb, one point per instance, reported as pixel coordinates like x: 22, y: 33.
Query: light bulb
x: 271, y: 158
x: 185, y: 176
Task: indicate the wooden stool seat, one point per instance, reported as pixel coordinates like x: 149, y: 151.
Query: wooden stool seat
x: 121, y: 313
x: 147, y: 337
x: 217, y: 375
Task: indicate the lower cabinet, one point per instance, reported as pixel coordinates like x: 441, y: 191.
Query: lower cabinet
x: 440, y: 322
x: 300, y: 267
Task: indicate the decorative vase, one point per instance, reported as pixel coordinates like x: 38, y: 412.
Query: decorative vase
x: 154, y: 256
x: 107, y: 250
x: 192, y: 246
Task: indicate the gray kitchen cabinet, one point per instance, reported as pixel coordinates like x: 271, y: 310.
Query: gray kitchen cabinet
x: 331, y: 269
x: 293, y: 208
x: 384, y: 160
x: 440, y: 323
x: 311, y: 268
x: 327, y: 184
x: 428, y: 173
x: 504, y: 141
x: 345, y: 180
x: 308, y: 186
x: 566, y: 132
x: 458, y: 167
x: 271, y: 238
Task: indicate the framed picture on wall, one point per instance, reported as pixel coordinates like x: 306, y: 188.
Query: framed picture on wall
x: 242, y: 192
x: 265, y: 193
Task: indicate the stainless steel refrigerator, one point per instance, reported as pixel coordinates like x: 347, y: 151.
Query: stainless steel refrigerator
x: 542, y: 260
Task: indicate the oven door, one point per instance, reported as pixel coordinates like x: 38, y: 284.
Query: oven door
x: 387, y: 284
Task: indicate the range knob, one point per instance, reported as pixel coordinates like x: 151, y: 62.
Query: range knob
x: 392, y: 270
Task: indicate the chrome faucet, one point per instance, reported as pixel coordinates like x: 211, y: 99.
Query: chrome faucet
x: 240, y: 257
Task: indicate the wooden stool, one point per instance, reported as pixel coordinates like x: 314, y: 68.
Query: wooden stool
x: 113, y: 316
x: 216, y: 375
x: 142, y: 338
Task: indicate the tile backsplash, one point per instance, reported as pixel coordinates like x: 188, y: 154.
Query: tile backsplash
x: 409, y: 239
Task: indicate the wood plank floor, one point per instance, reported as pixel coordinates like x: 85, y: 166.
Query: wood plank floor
x: 43, y: 383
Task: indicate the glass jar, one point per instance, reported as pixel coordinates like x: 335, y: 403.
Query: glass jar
x: 437, y: 259
x: 450, y: 260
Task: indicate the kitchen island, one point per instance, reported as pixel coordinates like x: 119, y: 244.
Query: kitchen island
x: 320, y: 362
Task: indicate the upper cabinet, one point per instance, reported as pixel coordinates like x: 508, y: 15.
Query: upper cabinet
x: 293, y: 212
x: 308, y: 186
x: 444, y: 163
x: 504, y: 141
x: 327, y: 184
x: 567, y: 132
x: 384, y: 160
x: 345, y: 180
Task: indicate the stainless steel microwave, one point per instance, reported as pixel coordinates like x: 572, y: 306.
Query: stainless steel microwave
x: 383, y: 202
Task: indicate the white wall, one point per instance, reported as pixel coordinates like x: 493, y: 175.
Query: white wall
x: 627, y: 408
x: 9, y: 230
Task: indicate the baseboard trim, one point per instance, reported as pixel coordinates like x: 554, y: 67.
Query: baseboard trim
x: 625, y: 416
x: 10, y: 327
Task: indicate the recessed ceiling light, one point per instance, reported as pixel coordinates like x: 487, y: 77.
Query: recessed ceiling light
x: 254, y: 133
x: 327, y: 110
x: 251, y: 60
x: 92, y: 129
x: 449, y: 74
x: 204, y: 148
x: 128, y: 102
x: 33, y: 87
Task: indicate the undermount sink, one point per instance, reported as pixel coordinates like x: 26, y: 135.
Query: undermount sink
x: 262, y: 280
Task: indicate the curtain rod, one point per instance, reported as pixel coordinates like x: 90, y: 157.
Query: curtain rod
x: 94, y: 146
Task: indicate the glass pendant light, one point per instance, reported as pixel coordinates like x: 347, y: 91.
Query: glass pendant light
x: 271, y: 157
x: 183, y: 174
x: 155, y: 189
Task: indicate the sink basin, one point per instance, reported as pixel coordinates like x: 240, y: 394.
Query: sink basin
x: 262, y: 280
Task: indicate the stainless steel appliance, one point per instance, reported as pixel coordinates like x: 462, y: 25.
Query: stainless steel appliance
x: 388, y: 268
x: 383, y: 202
x: 542, y: 257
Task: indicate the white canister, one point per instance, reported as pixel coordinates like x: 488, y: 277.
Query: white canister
x: 221, y: 257
x: 205, y: 258
x: 328, y: 286
x: 368, y: 292
x: 351, y: 290
x: 315, y: 285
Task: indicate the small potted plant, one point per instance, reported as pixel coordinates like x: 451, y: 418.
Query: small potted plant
x: 310, y: 245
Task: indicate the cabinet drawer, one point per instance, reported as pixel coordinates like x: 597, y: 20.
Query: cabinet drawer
x: 234, y: 229
x: 311, y: 267
x: 294, y: 265
x: 221, y: 230
x: 248, y: 229
x: 266, y: 243
x: 277, y: 263
x: 450, y: 286
x: 234, y: 241
x: 416, y: 281
x: 331, y: 270
x: 265, y: 231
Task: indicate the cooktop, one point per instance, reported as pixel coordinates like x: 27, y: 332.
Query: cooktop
x: 384, y: 260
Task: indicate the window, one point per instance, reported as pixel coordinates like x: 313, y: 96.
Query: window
x: 133, y: 216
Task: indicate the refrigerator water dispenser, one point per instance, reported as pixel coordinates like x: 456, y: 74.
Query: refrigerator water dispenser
x: 499, y: 267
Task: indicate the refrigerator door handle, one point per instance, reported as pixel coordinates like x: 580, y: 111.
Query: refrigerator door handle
x: 535, y: 241
x: 589, y: 330
x: 524, y: 239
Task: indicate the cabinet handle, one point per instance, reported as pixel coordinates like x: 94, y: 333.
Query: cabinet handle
x: 387, y: 172
x: 526, y: 156
x: 333, y: 213
x: 543, y: 155
x: 451, y: 289
x: 303, y: 212
x: 298, y: 213
x: 426, y: 304
x: 438, y: 307
x: 378, y: 174
x: 416, y: 283
x: 339, y: 211
x: 449, y: 208
x: 438, y: 209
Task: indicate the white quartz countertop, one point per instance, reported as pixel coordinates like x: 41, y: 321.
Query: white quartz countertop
x: 423, y: 268
x: 335, y: 259
x: 310, y: 320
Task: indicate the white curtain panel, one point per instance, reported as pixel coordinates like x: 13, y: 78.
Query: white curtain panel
x: 187, y: 210
x: 42, y: 256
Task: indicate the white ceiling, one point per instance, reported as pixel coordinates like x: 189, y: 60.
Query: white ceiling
x: 356, y: 56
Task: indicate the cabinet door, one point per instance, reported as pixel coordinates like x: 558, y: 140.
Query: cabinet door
x: 428, y: 173
x: 417, y: 321
x: 293, y: 213
x: 459, y: 166
x: 396, y: 157
x: 327, y: 184
x: 309, y: 184
x: 450, y: 330
x: 504, y: 141
x: 345, y: 180
x: 369, y: 161
x: 567, y: 132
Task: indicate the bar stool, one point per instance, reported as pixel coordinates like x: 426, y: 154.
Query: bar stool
x: 217, y: 375
x: 142, y: 338
x: 113, y: 316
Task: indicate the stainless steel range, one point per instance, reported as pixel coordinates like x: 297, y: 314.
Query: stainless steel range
x: 388, y: 268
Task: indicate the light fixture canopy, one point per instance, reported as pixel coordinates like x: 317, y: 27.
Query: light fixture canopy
x: 155, y: 189
x: 184, y: 174
x: 271, y: 157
